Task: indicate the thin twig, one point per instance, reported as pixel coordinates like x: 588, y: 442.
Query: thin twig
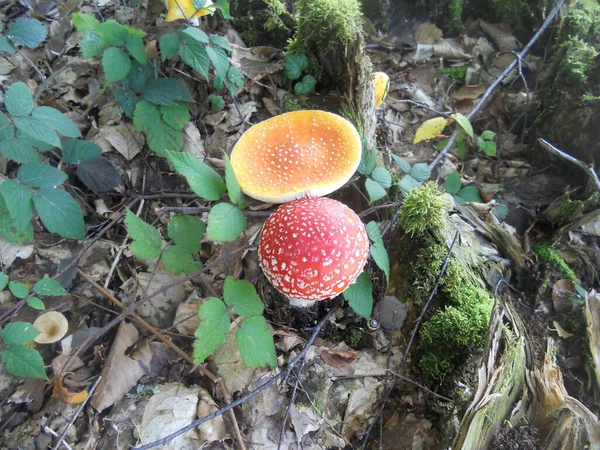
x: 289, y: 407
x: 203, y: 209
x: 411, y: 340
x: 589, y: 170
x: 252, y: 394
x: 77, y: 412
x: 45, y: 82
x: 408, y: 380
x: 51, y: 432
x: 42, y: 77
x: 490, y: 90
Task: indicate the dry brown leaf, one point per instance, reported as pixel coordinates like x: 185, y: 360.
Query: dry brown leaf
x: 271, y: 106
x: 450, y: 49
x: 192, y: 141
x: 60, y: 391
x: 338, y: 358
x: 123, y: 137
x: 469, y: 92
x: 504, y: 40
x: 562, y: 291
x: 120, y: 372
x: 230, y: 365
x: 428, y: 33
x: 256, y: 61
x: 186, y: 318
x: 213, y: 430
x: 561, y: 331
x: 289, y: 340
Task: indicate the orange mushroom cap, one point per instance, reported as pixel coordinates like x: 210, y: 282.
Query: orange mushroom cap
x: 185, y: 9
x: 295, y: 155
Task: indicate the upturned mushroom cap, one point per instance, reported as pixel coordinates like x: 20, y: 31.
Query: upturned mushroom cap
x: 185, y: 9
x: 52, y: 327
x: 295, y: 155
x: 381, y: 83
x: 313, y: 249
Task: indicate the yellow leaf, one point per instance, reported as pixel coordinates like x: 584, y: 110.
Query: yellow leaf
x: 185, y: 9
x: 430, y: 129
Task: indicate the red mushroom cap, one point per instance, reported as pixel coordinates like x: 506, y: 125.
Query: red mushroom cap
x: 313, y: 249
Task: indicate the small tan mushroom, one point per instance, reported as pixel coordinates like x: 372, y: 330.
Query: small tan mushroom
x: 52, y: 327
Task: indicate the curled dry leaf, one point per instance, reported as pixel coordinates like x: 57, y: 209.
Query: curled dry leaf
x: 338, y: 358
x: 60, y: 391
x: 428, y: 33
x: 213, y: 430
x: 469, y: 92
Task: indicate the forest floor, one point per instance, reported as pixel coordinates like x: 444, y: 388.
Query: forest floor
x: 145, y: 387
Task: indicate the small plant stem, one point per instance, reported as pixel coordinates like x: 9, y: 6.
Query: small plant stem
x: 44, y: 83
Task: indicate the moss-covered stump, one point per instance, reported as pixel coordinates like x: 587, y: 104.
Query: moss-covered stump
x: 569, y: 113
x: 263, y: 22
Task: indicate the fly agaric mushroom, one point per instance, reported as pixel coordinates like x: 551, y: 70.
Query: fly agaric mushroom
x: 52, y: 327
x: 313, y: 249
x: 295, y: 155
x: 381, y: 83
x: 185, y: 9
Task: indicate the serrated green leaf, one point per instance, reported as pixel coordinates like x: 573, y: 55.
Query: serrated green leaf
x: 368, y: 161
x: 234, y: 80
x: 223, y: 6
x: 220, y: 41
x: 19, y: 203
x: 382, y: 177
x: 166, y: 91
x: 378, y: 251
x: 146, y: 116
x: 91, y: 45
x: 169, y: 46
x: 374, y: 190
x: 294, y: 65
x: 186, y: 231
x: 17, y: 333
x: 179, y: 259
x: 374, y: 233
x: 219, y: 59
x: 488, y: 135
x: 84, y: 22
x: 23, y: 361
x: 407, y: 184
x: 225, y: 222
x: 27, y: 32
x: 402, y: 163
x: 126, y: 100
x: 138, y: 76
x: 359, y: 296
x: 49, y: 287
x: 461, y: 150
x: 490, y: 148
x: 420, y: 172
x: 203, y: 180
x: 453, y: 183
x: 38, y: 174
x: 242, y: 297
x: 481, y: 143
x: 196, y: 34
x: 57, y: 120
x: 76, y: 151
x: 195, y: 56
x: 35, y: 303
x: 7, y: 131
x: 306, y: 86
x: 59, y: 212
x: 8, y: 228
x: 160, y: 136
x: 17, y: 289
x: 470, y: 194
x: 464, y: 123
x: 3, y: 281
x: 233, y: 187
x: 216, y: 102
x: 147, y: 242
x: 213, y: 328
x: 113, y: 33
x: 116, y: 64
x: 18, y: 99
x: 135, y: 47
x: 256, y: 344
x: 37, y: 128
x: 6, y: 46
x: 135, y: 31
x: 176, y: 115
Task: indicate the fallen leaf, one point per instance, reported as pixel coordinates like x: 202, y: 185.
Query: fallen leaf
x: 123, y: 137
x: 192, y: 141
x: 428, y: 33
x: 430, y: 129
x: 213, y: 430
x: 450, y: 49
x: 592, y: 314
x: 338, y: 358
x: 255, y: 62
x: 504, y: 40
x: 562, y: 291
x: 469, y: 92
x: 9, y: 252
x: 561, y: 331
x: 60, y: 391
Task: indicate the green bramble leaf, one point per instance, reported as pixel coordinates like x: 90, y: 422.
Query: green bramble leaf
x: 453, y: 183
x: 407, y: 184
x: 488, y: 135
x: 359, y: 296
x: 420, y: 172
x: 18, y: 333
x: 186, y: 231
x: 91, y: 44
x: 225, y: 222
x: 116, y: 64
x: 196, y: 34
x: 178, y: 259
x: 17, y: 289
x: 147, y: 242
x: 368, y: 161
x: 374, y: 190
x: 27, y: 32
x: 220, y: 41
x: 203, y: 180
x: 242, y: 297
x: 37, y: 128
x: 23, y: 361
x: 3, y: 281
x: 113, y: 33
x: 194, y: 55
x: 6, y: 46
x: 135, y: 47
x: 59, y: 212
x: 19, y: 203
x: 306, y: 86
x: 8, y: 228
x: 464, y: 123
x: 402, y: 163
x: 7, y: 131
x: 490, y: 148
x: 18, y: 99
x: 35, y: 303
x: 166, y: 91
x: 219, y: 60
x: 84, y: 22
x: 176, y: 115
x: 48, y: 287
x: 470, y: 194
x: 76, y: 151
x: 126, y: 99
x: 213, y: 328
x: 223, y: 6
x: 169, y: 46
x: 57, y: 120
x: 38, y: 174
x: 382, y: 177
x: 294, y: 65
x: 462, y: 150
x: 233, y: 187
x: 256, y: 344
x: 216, y: 102
x: 160, y: 136
x: 234, y: 80
x: 378, y: 250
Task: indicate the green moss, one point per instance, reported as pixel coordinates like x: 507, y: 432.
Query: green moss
x: 290, y: 103
x: 455, y: 8
x: 353, y: 116
x: 424, y: 210
x: 516, y: 13
x: 455, y: 73
x: 549, y: 254
x: 323, y: 25
x: 262, y: 22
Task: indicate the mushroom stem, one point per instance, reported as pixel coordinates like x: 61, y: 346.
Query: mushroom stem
x: 299, y: 303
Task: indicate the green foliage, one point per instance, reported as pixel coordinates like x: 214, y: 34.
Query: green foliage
x: 424, y: 209
x: 225, y: 222
x: 549, y: 254
x: 455, y: 73
x: 295, y: 64
x: 378, y: 250
x: 486, y: 144
x: 254, y: 338
x: 461, y: 194
x: 23, y: 31
x: 359, y: 295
